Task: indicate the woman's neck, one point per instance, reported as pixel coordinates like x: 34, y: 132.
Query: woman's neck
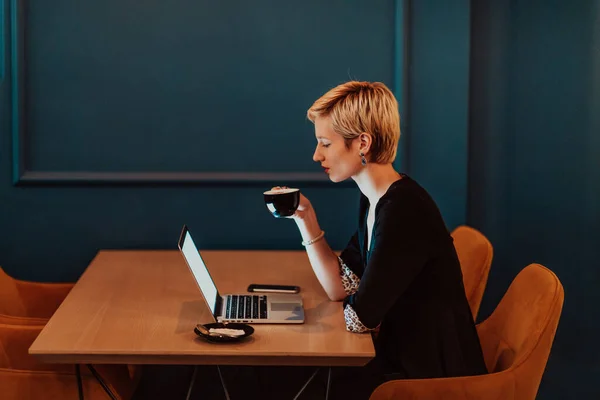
x: 375, y: 179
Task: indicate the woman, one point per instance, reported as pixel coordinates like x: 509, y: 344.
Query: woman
x: 399, y: 274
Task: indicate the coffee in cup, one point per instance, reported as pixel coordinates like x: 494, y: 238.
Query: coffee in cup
x: 282, y: 202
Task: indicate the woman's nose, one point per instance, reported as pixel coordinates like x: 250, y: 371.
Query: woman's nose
x: 317, y: 156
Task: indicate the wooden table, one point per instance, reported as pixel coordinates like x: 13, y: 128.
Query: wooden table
x: 140, y: 307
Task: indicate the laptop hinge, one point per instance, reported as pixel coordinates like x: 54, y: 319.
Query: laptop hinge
x: 218, y: 306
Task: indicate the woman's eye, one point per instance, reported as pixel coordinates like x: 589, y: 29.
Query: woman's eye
x: 326, y: 145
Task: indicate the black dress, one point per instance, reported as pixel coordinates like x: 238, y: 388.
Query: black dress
x: 409, y: 284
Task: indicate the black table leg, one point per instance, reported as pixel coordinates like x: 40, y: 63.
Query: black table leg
x: 79, y: 382
x: 223, y: 384
x: 328, y: 384
x: 306, y: 384
x: 189, y: 393
x: 101, y: 382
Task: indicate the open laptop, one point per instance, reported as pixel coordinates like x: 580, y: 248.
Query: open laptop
x: 271, y: 308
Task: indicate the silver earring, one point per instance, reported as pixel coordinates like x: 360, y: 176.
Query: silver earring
x: 363, y: 160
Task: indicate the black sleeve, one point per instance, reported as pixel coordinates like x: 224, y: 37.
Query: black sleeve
x: 351, y: 256
x: 402, y: 247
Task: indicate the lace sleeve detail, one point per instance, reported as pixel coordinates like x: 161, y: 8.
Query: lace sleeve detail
x: 349, y: 279
x: 353, y: 324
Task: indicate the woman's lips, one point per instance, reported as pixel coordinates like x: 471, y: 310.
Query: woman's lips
x: 326, y: 170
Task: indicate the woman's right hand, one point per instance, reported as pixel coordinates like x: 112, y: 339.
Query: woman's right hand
x: 303, y: 208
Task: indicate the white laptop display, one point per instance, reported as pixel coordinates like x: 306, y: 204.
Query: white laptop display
x: 244, y: 307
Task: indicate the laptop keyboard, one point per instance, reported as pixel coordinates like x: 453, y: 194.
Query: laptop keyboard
x: 246, y: 307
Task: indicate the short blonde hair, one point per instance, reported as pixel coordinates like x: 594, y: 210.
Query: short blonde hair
x: 357, y: 107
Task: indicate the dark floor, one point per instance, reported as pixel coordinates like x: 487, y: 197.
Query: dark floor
x: 172, y: 382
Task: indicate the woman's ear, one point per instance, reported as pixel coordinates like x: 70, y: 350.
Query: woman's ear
x: 365, y: 140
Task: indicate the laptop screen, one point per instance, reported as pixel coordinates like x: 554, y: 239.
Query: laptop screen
x: 198, y: 268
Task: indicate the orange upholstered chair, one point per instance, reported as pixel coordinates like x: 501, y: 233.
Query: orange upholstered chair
x: 24, y: 302
x: 516, y: 341
x: 22, y: 377
x: 25, y: 308
x: 475, y: 254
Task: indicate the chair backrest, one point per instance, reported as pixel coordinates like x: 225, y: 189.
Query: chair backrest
x: 29, y: 299
x: 15, y: 341
x: 10, y: 298
x: 475, y: 254
x: 519, y: 334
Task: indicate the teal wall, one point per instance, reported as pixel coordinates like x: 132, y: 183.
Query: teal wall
x: 119, y: 123
x: 438, y: 102
x: 534, y: 165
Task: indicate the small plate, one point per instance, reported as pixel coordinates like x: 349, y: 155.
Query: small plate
x: 248, y: 330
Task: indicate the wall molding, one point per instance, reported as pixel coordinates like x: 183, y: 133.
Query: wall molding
x: 2, y: 41
x: 22, y: 175
x: 167, y: 178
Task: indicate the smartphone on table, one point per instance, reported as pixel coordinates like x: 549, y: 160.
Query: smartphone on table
x: 264, y: 288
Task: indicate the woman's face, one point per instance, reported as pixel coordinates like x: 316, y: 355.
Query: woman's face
x: 338, y: 161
